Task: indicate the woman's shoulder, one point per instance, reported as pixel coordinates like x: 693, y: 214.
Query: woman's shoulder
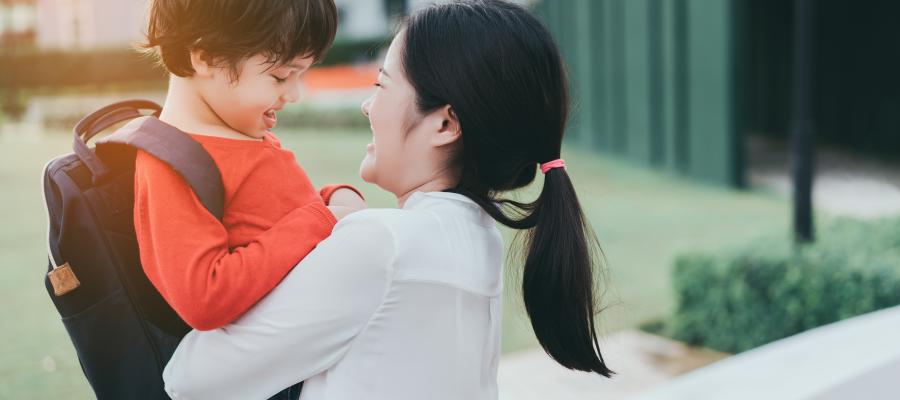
x: 387, y: 227
x: 375, y: 224
x: 390, y: 222
x: 371, y: 224
x: 432, y: 245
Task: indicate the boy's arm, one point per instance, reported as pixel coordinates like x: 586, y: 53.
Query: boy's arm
x: 184, y: 249
x: 343, y: 195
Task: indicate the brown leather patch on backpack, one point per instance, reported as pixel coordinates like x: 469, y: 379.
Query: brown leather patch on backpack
x: 63, y: 280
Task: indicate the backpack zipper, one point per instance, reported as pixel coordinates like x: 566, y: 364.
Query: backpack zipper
x: 47, y: 209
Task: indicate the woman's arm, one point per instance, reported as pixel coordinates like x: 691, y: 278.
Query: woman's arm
x: 301, y: 328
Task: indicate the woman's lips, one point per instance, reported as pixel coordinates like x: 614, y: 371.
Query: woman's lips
x: 270, y: 119
x: 370, y: 147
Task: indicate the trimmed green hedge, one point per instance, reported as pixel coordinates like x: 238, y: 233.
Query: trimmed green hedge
x: 769, y: 290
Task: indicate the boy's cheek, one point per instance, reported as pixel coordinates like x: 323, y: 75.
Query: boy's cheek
x: 245, y: 116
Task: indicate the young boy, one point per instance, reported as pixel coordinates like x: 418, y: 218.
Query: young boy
x: 233, y: 65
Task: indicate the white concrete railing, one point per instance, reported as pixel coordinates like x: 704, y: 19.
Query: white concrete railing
x: 858, y: 358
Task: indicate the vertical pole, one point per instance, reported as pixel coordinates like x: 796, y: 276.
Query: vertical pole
x: 802, y: 136
x: 682, y: 87
x: 583, y: 46
x: 657, y: 83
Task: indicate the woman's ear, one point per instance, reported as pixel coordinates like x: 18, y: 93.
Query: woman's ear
x: 202, y: 67
x: 450, y: 130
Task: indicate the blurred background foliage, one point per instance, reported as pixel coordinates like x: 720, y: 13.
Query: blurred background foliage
x: 31, y: 72
x: 738, y: 299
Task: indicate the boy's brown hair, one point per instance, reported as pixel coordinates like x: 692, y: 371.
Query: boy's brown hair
x: 229, y: 31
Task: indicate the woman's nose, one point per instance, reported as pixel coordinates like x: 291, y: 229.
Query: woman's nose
x: 366, y: 104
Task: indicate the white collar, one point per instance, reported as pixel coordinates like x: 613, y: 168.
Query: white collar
x: 452, y: 202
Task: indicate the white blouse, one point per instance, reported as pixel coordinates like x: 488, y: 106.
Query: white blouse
x: 396, y: 304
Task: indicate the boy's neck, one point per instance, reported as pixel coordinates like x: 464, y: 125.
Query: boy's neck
x: 186, y: 110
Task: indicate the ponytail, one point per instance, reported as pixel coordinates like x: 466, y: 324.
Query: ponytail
x: 558, y: 274
x: 502, y: 73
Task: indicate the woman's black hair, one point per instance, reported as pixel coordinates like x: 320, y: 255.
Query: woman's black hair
x: 502, y: 73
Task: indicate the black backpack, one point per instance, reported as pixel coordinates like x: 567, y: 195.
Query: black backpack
x: 122, y: 328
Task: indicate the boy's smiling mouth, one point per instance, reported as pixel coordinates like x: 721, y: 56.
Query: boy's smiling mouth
x: 270, y: 118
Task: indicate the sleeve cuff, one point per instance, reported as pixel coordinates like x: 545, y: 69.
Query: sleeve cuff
x: 326, y: 191
x: 323, y: 214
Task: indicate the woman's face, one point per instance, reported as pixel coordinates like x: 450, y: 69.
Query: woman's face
x: 405, y: 152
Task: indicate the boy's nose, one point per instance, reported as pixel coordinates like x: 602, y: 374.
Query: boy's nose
x: 292, y: 95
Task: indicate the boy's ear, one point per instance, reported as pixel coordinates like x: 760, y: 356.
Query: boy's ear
x: 449, y: 131
x: 202, y: 67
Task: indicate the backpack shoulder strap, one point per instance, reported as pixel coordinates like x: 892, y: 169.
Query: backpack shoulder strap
x: 175, y: 148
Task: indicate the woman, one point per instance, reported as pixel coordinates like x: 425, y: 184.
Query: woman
x: 406, y: 304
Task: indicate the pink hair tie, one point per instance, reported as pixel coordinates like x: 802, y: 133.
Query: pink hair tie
x: 553, y: 164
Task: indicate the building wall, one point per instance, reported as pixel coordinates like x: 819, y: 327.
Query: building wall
x: 89, y: 24
x: 17, y: 17
x: 655, y: 81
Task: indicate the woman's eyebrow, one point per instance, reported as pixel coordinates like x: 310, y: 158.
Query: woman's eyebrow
x: 384, y: 72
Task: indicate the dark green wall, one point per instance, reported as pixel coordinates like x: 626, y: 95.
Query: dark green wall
x: 655, y: 81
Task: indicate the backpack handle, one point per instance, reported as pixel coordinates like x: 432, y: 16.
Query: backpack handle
x: 100, y: 120
x: 165, y: 142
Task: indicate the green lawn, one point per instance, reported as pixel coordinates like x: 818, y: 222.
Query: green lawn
x: 643, y: 218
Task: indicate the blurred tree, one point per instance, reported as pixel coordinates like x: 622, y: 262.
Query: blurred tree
x: 17, y: 34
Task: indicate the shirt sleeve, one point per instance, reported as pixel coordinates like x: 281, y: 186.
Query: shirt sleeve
x: 301, y: 328
x: 184, y: 249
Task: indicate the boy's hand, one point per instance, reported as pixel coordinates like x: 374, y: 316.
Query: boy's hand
x: 340, y: 211
x: 344, y: 197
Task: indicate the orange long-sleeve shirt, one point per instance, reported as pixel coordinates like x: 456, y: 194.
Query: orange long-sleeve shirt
x: 212, y: 272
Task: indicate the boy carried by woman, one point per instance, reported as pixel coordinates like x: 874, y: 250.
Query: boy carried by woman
x: 233, y: 65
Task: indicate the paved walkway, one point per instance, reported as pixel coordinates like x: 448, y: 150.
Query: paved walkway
x: 856, y: 358
x: 845, y: 183
x: 641, y: 361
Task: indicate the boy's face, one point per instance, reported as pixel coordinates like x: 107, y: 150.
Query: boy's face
x: 248, y: 105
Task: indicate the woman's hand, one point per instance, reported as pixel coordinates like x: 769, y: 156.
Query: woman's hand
x: 344, y: 197
x: 340, y: 211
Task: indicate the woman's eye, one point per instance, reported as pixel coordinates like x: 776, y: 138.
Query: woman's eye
x: 378, y: 84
